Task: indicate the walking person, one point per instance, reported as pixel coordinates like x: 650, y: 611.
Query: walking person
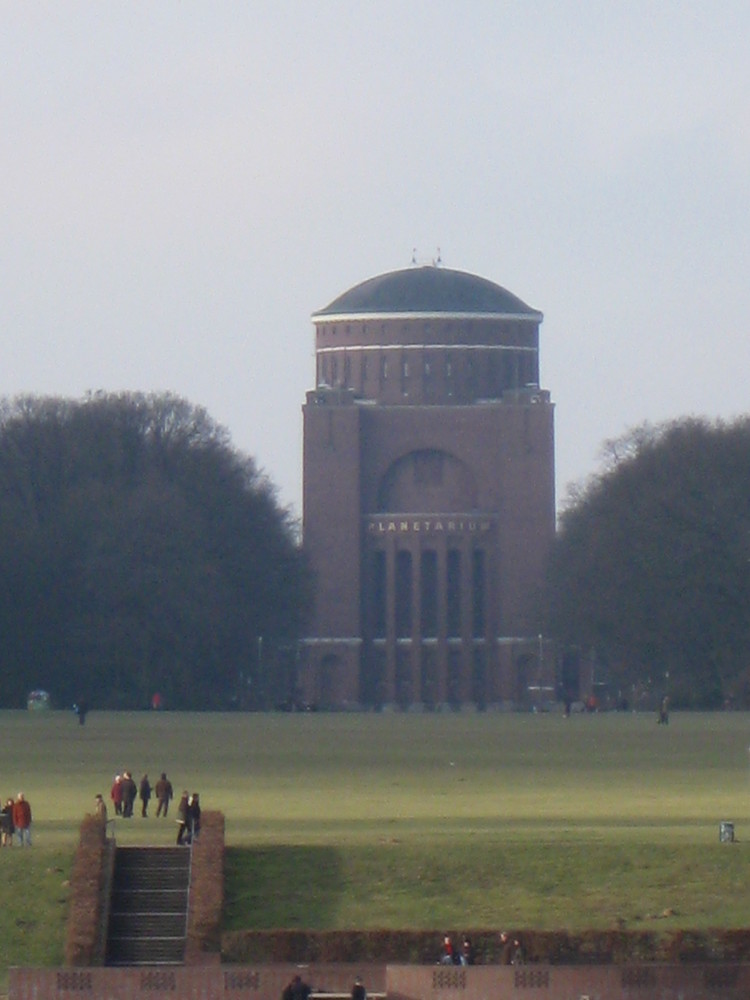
x: 164, y: 794
x: 144, y: 791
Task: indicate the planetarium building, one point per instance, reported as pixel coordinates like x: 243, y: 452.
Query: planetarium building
x: 429, y: 503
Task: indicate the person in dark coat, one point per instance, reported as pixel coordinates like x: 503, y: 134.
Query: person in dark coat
x: 467, y: 952
x: 297, y: 989
x: 358, y: 990
x: 518, y: 955
x: 100, y: 809
x: 6, y: 823
x: 164, y: 794
x: 129, y: 794
x: 182, y: 818
x: 193, y: 817
x: 144, y: 791
x: 506, y: 949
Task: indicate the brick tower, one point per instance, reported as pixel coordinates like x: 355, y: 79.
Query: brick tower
x: 429, y: 502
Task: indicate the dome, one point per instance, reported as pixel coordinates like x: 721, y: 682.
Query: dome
x: 428, y: 290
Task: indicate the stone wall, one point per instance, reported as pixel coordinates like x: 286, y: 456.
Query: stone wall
x: 266, y: 982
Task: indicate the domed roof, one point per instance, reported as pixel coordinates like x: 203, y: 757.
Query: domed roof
x: 428, y: 290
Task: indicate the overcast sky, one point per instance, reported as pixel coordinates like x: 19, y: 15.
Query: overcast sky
x: 184, y: 183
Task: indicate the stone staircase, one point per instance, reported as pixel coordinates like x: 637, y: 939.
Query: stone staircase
x: 148, y: 906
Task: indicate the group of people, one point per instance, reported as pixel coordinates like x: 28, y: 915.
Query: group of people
x: 15, y: 818
x: 450, y: 955
x: 124, y: 793
x: 512, y: 952
x: 298, y: 989
x: 188, y: 818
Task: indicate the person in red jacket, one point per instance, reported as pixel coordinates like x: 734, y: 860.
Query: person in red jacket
x: 22, y: 820
x: 447, y: 956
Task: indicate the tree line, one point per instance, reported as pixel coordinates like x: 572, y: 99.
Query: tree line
x: 650, y: 575
x: 141, y: 553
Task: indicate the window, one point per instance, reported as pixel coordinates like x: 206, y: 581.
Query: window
x: 429, y: 595
x: 378, y: 594
x: 453, y: 593
x: 448, y: 375
x: 477, y: 593
x: 403, y: 594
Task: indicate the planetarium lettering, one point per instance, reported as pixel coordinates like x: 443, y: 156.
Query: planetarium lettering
x: 429, y: 525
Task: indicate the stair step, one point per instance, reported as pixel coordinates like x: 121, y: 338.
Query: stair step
x: 153, y: 878
x: 138, y: 924
x: 145, y: 951
x: 149, y: 901
x: 148, y: 906
x: 172, y: 859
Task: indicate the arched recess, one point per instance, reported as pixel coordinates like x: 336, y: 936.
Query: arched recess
x: 427, y: 481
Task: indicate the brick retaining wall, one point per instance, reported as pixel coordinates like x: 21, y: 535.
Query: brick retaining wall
x: 206, y: 982
x: 549, y: 982
x: 206, y: 903
x: 401, y: 982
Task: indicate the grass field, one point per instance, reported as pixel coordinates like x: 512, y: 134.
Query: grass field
x: 426, y: 821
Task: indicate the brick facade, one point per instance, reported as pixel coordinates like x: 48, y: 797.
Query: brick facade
x: 429, y: 503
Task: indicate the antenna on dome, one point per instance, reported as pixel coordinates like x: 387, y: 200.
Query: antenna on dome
x: 438, y: 259
x: 414, y: 256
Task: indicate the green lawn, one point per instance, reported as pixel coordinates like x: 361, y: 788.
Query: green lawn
x: 428, y: 821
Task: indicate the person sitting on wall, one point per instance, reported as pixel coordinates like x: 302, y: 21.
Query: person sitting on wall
x: 466, y: 956
x: 358, y: 990
x: 447, y: 956
x: 518, y: 955
x: 506, y: 948
x: 297, y: 989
